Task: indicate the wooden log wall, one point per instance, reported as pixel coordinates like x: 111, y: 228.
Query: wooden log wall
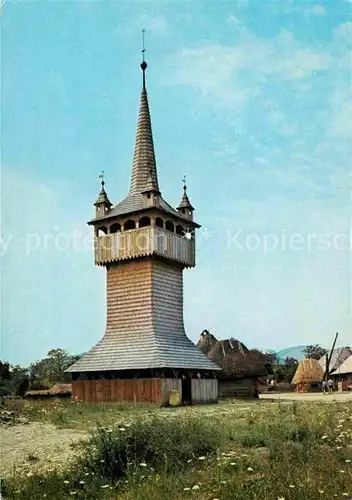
x: 243, y: 388
x: 128, y: 390
x: 204, y: 390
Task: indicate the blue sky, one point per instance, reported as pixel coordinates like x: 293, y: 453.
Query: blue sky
x: 251, y: 100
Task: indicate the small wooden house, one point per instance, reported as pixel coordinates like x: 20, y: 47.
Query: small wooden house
x: 343, y: 374
x: 309, y: 372
x: 240, y: 368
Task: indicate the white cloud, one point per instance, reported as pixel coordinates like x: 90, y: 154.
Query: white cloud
x: 156, y: 24
x: 318, y: 10
x: 340, y: 113
x: 344, y: 31
x: 236, y: 73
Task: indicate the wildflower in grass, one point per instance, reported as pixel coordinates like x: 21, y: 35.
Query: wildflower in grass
x: 324, y: 437
x: 105, y: 486
x: 143, y: 464
x: 189, y: 461
x: 291, y: 486
x: 233, y: 463
x: 249, y: 469
x: 321, y: 491
x: 186, y: 489
x: 201, y: 458
x: 81, y: 482
x: 348, y: 461
x: 342, y: 471
x: 195, y: 487
x: 66, y: 482
x: 122, y: 429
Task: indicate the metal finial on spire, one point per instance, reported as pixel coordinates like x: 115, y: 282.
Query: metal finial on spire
x: 184, y: 182
x: 101, y: 176
x: 143, y: 64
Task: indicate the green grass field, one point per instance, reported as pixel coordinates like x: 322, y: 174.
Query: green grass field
x: 241, y: 450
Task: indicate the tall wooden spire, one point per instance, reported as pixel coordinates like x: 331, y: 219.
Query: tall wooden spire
x: 144, y: 165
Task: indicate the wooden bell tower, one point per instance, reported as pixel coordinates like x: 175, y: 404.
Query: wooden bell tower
x: 144, y: 244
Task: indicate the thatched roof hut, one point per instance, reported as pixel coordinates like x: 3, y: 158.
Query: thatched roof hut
x: 345, y: 368
x: 338, y: 356
x: 308, y: 372
x: 206, y: 341
x: 236, y: 360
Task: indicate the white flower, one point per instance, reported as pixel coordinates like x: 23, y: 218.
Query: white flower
x: 195, y: 487
x: 105, y: 486
x: 291, y: 486
x: 249, y: 469
x: 143, y: 464
x: 81, y: 482
x: 66, y: 482
x: 186, y: 489
x: 201, y: 458
x: 233, y: 463
x: 348, y: 461
x: 324, y: 437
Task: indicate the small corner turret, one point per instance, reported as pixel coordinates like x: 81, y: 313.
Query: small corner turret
x: 185, y: 208
x: 151, y: 191
x: 103, y: 204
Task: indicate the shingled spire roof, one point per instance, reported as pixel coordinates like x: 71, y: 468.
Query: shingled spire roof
x: 144, y: 155
x: 144, y: 173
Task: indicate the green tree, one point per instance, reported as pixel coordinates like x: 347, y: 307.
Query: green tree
x: 14, y: 380
x: 314, y: 351
x: 51, y: 370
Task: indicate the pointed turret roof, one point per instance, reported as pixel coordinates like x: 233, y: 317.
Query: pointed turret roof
x: 151, y: 184
x: 185, y: 203
x: 103, y: 197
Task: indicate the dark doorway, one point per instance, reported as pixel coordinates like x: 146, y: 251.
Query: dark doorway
x: 186, y: 390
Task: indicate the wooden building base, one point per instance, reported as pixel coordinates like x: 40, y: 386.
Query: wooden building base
x: 148, y: 390
x: 238, y: 388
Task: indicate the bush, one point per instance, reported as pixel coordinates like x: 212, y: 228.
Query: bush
x: 164, y: 444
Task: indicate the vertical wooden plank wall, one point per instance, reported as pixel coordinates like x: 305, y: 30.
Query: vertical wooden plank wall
x: 167, y: 385
x: 130, y: 390
x: 204, y: 390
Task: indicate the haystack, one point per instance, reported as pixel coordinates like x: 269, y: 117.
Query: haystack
x: 57, y: 390
x: 308, y: 372
x: 206, y: 341
x: 236, y: 360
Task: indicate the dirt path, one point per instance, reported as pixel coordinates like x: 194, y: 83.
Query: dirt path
x: 36, y: 446
x: 343, y: 397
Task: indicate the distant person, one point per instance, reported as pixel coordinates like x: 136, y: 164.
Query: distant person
x: 324, y: 385
x: 272, y: 384
x: 330, y: 385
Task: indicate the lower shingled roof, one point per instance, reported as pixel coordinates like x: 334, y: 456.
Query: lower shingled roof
x: 146, y: 352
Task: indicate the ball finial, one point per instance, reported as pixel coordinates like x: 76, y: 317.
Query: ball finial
x: 144, y: 66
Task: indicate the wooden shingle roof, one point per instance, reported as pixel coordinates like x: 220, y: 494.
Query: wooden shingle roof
x: 153, y: 350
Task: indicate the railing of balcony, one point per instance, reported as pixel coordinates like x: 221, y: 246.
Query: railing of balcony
x: 144, y: 241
